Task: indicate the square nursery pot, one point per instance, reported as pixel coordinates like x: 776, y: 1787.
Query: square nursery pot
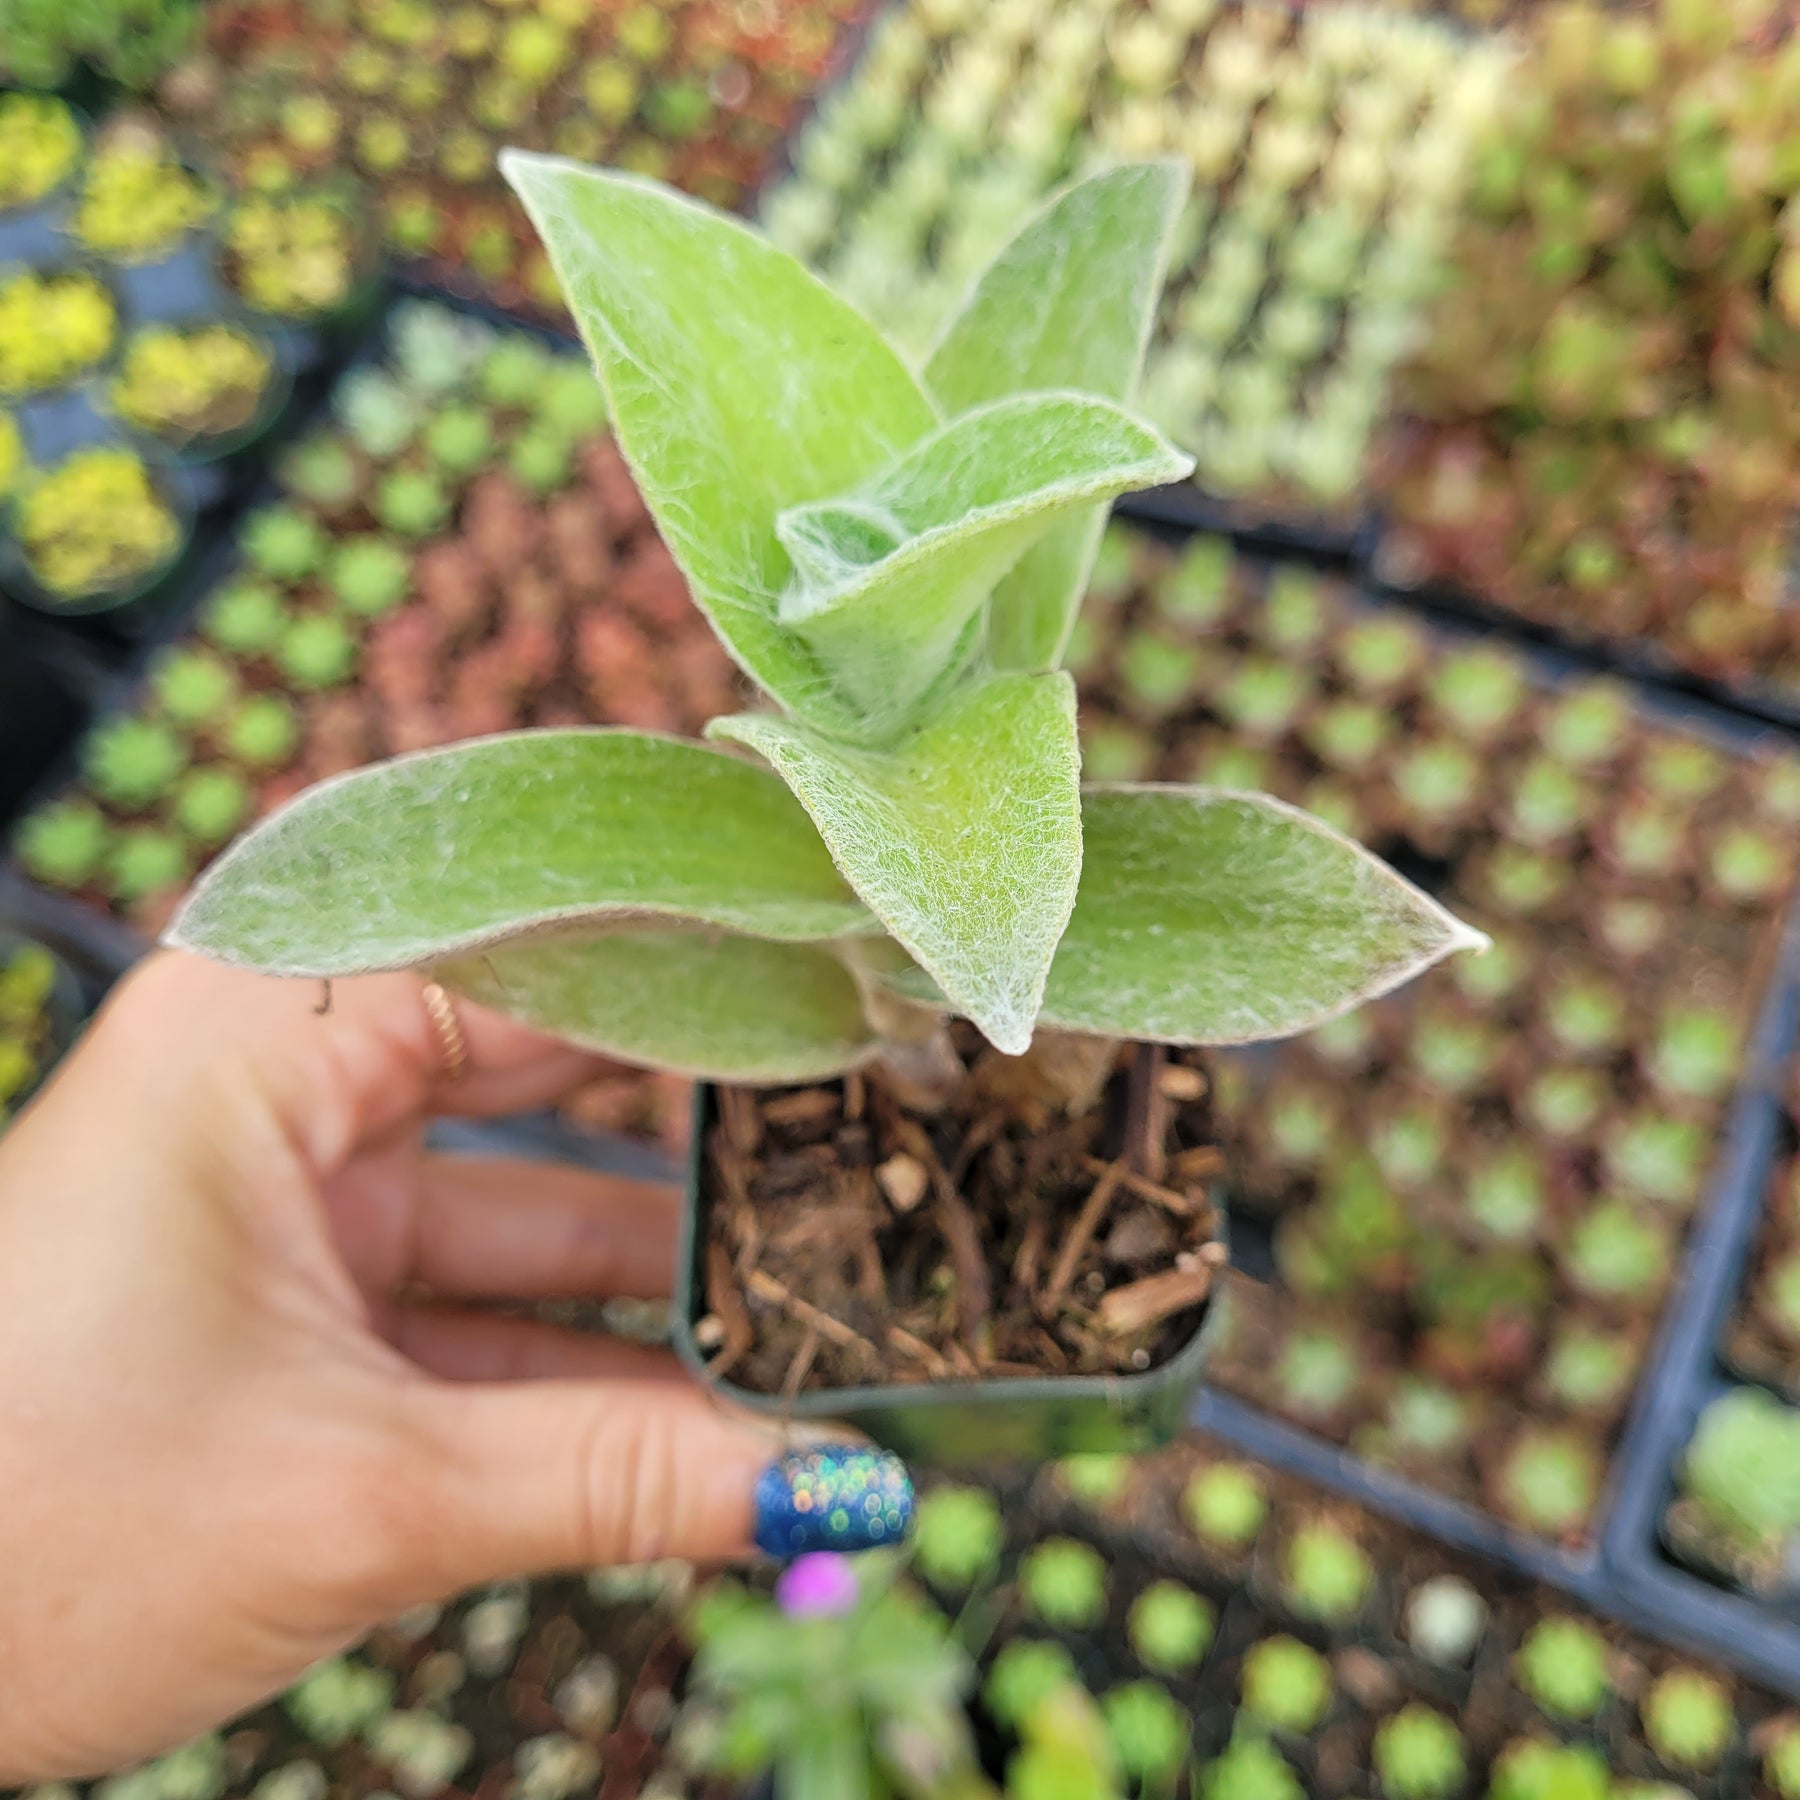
x: 956, y: 1424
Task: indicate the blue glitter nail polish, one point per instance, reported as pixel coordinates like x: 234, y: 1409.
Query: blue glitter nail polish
x: 832, y: 1497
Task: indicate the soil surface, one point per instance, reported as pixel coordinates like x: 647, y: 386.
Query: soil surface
x: 1052, y: 1216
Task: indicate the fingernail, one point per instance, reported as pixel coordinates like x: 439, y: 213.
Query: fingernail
x: 832, y: 1497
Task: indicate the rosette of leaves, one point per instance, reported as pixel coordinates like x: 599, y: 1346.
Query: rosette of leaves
x: 95, y: 524
x: 847, y: 1700
x: 184, y: 384
x: 133, y: 41
x: 137, y: 202
x: 54, y: 326
x: 895, y: 556
x: 1738, y: 1505
x: 40, y: 144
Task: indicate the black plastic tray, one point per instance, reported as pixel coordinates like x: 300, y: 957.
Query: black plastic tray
x: 1644, y: 662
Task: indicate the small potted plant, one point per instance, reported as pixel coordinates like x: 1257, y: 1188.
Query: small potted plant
x: 1419, y: 1755
x: 1564, y: 1666
x: 137, y: 202
x: 201, y: 389
x: 1737, y: 1505
x: 40, y: 149
x: 95, y: 532
x: 55, y: 326
x: 40, y: 1012
x: 892, y: 529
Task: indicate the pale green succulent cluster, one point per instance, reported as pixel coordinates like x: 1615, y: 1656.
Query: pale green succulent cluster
x: 895, y: 553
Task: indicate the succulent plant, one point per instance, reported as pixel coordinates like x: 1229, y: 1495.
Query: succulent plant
x: 1444, y: 1620
x: 187, y: 383
x: 412, y: 502
x: 1225, y: 1504
x: 40, y: 146
x: 210, y: 804
x: 1688, y: 1719
x: 283, y: 543
x: 1547, y: 1479
x: 1694, y: 1056
x: 1024, y: 1674
x: 1286, y: 1684
x: 293, y: 255
x: 957, y: 1537
x: 97, y: 524
x: 1781, y: 1759
x: 1740, y: 1477
x: 1617, y: 1253
x: 1325, y: 1575
x: 133, y: 762
x: 263, y: 732
x: 62, y: 845
x: 340, y: 1699
x: 316, y: 651
x: 1249, y: 1768
x: 459, y: 439
x: 368, y: 575
x: 143, y: 861
x: 1063, y: 1582
x: 1171, y: 1627
x: 193, y: 687
x: 1150, y: 1733
x: 1535, y: 1769
x: 1589, y: 1369
x: 244, y: 618
x: 1563, y: 1665
x: 1419, y: 1755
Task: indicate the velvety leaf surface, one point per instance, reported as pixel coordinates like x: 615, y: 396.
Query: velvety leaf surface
x: 964, y: 837
x: 396, y: 865
x: 1067, y: 304
x: 707, y: 1004
x: 1208, y: 917
x: 738, y: 385
x: 888, y: 577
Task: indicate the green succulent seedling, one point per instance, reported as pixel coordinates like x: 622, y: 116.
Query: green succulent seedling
x: 1688, y: 1718
x: 1350, y: 735
x: 957, y: 1537
x: 1095, y: 1477
x: 339, y: 1700
x: 425, y: 1752
x: 316, y: 651
x: 193, y: 687
x: 1741, y: 1472
x: 1477, y: 693
x: 1200, y: 590
x: 1438, y: 780
x: 1618, y: 1253
x: 1781, y: 1758
x: 1026, y: 1672
x: 839, y: 1700
x: 1066, y: 1752
x: 133, y: 762
x: 368, y: 575
x: 1548, y: 1479
x: 1249, y: 1768
x: 1325, y: 1574
x: 412, y: 502
x: 1263, y: 697
x: 1445, y: 1620
x: 1171, y: 1627
x: 1317, y: 1373
x: 1549, y: 803
x: 1225, y: 1504
x: 1063, y: 1582
x: 515, y: 372
x: 1588, y: 1368
x: 283, y: 544
x: 263, y: 732
x: 1592, y: 724
x: 244, y: 618
x: 895, y: 556
x: 1286, y: 1684
x: 210, y: 804
x: 459, y: 439
x: 63, y: 844
x: 1564, y: 1103
x: 1158, y: 673
x: 1151, y: 1735
x: 571, y: 404
x: 1536, y: 1769
x: 1563, y: 1666
x: 1695, y: 1054
x: 1506, y: 1193
x: 1419, y: 1754
x: 142, y: 861
x: 1749, y: 864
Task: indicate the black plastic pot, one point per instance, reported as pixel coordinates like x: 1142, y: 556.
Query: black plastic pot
x: 955, y: 1424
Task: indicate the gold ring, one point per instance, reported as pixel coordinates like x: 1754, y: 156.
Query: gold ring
x: 441, y: 1010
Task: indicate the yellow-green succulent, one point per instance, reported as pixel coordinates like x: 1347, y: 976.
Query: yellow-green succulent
x: 95, y: 523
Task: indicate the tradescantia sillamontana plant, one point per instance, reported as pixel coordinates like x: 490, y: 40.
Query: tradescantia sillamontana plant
x: 895, y: 555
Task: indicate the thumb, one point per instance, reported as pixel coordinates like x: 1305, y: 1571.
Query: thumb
x: 541, y: 1475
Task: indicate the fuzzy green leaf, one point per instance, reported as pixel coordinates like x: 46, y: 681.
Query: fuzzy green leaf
x: 1208, y: 917
x: 708, y: 1004
x: 452, y: 850
x: 888, y: 578
x: 964, y: 838
x: 1067, y: 304
x: 738, y: 385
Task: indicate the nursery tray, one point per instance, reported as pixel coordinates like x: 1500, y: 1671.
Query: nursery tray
x: 1645, y: 663
x: 1686, y: 1374
x: 1314, y: 536
x: 1622, y: 1568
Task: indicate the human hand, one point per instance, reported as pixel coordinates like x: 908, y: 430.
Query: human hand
x: 230, y: 1439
